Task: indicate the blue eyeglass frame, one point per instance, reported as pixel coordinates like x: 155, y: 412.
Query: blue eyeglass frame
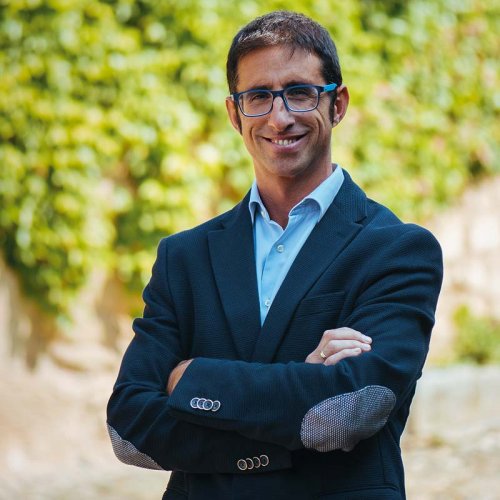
x: 281, y: 93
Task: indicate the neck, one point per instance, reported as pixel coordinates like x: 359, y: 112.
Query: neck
x: 279, y: 197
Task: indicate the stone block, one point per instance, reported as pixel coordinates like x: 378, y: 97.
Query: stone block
x: 450, y: 400
x: 484, y: 233
x: 450, y: 232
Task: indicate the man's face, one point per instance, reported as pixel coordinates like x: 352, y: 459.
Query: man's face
x: 284, y: 144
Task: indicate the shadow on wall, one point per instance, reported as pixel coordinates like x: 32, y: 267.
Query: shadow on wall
x: 99, y: 331
x: 25, y: 332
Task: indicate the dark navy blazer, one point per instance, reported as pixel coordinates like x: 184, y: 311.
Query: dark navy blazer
x: 250, y: 419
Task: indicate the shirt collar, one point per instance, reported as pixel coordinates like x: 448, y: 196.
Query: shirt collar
x: 322, y: 197
x: 255, y: 203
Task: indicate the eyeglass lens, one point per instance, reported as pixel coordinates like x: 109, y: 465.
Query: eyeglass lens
x: 298, y: 98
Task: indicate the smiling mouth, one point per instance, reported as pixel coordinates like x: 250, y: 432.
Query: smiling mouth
x: 285, y: 142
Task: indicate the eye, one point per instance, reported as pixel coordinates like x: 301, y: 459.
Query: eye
x: 257, y: 95
x: 301, y: 92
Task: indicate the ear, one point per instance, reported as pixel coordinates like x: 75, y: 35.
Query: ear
x: 233, y: 113
x: 340, y: 105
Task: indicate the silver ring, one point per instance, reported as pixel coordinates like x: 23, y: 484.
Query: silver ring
x: 323, y: 355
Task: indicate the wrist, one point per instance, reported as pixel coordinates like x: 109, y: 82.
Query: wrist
x: 176, y: 375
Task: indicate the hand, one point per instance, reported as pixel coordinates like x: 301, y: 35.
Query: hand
x: 338, y: 344
x: 176, y: 374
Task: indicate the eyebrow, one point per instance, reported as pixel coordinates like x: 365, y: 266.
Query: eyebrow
x: 288, y: 84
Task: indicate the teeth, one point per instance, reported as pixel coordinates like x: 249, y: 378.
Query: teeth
x: 284, y: 142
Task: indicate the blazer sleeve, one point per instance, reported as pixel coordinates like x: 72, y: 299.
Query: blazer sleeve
x: 297, y: 405
x: 142, y: 430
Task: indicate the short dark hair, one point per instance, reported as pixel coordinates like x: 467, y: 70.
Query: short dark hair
x: 290, y: 29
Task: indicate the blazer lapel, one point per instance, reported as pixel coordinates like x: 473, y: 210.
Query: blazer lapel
x: 233, y: 261
x: 333, y: 233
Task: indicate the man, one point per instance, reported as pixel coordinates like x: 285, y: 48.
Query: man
x: 281, y: 341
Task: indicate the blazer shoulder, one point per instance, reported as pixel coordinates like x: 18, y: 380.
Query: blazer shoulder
x: 379, y: 215
x: 382, y: 220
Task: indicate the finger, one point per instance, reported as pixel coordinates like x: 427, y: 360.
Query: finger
x: 339, y: 356
x: 346, y: 333
x: 333, y: 346
x: 314, y: 357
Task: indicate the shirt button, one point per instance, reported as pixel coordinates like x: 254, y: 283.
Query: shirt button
x: 280, y: 248
x: 267, y: 302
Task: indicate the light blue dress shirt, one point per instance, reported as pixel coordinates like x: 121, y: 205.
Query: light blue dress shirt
x: 275, y: 247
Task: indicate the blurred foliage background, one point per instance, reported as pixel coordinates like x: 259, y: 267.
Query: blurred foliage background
x: 113, y: 130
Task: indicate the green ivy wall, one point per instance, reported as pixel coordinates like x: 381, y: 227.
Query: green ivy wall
x: 113, y: 131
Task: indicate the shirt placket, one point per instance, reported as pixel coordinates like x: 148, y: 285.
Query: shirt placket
x: 275, y: 263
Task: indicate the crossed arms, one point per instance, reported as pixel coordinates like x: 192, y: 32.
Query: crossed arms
x: 276, y: 408
x: 334, y: 346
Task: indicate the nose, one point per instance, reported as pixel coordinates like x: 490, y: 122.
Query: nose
x: 280, y: 118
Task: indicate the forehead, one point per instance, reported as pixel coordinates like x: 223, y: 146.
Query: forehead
x: 277, y: 67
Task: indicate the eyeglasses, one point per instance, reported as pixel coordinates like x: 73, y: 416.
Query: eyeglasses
x: 298, y: 98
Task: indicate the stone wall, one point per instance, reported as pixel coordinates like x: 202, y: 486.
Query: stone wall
x: 469, y: 233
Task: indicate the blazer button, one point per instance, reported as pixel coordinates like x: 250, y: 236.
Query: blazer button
x: 208, y: 405
x: 194, y: 403
x: 216, y: 405
x: 250, y: 464
x: 264, y: 460
x: 256, y: 462
x: 242, y: 464
x: 200, y: 403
